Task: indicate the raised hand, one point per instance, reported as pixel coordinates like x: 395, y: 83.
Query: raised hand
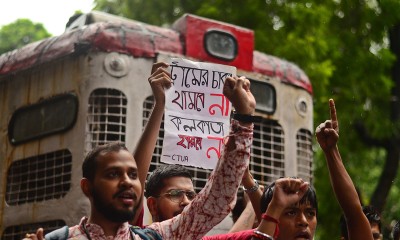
x: 237, y: 90
x: 328, y: 132
x: 159, y: 80
x: 327, y: 135
x: 287, y: 192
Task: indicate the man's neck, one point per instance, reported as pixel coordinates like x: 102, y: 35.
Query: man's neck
x: 154, y: 219
x: 109, y: 228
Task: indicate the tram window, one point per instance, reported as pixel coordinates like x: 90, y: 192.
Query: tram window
x: 50, y: 116
x: 221, y: 45
x: 304, y: 154
x: 19, y: 231
x: 265, y: 96
x: 106, y: 117
x: 39, y: 178
x: 268, y: 152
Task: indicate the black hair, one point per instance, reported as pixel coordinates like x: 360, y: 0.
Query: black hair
x: 310, y: 196
x: 372, y: 215
x: 239, y: 206
x: 155, y: 182
x: 89, y: 163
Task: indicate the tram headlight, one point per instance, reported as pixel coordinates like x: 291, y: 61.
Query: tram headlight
x: 265, y: 96
x: 221, y: 44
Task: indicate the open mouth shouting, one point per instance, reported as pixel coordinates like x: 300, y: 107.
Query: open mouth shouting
x: 127, y: 197
x: 303, y: 235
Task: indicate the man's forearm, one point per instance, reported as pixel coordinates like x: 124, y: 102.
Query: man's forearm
x: 217, y: 198
x: 342, y: 184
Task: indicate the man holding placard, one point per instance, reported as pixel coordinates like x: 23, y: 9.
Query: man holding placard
x: 217, y: 198
x: 213, y: 203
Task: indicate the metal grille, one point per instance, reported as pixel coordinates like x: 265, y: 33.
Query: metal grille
x: 267, y: 155
x: 304, y: 154
x: 106, y: 117
x: 267, y: 152
x: 199, y: 175
x: 39, y: 178
x: 18, y: 232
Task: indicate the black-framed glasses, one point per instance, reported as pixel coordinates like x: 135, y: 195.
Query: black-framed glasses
x: 177, y: 195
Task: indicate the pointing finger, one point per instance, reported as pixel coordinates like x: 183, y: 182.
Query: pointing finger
x: 334, y: 120
x: 333, y: 110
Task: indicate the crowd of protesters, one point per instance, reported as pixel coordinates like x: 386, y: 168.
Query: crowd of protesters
x: 114, y: 181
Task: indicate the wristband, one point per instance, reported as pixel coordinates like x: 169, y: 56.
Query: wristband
x: 271, y: 219
x: 260, y: 235
x: 253, y: 188
x: 246, y: 118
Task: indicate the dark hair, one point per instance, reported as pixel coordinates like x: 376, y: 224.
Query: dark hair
x: 89, y: 163
x: 155, y: 182
x: 396, y: 231
x: 239, y: 206
x: 310, y: 196
x: 372, y: 215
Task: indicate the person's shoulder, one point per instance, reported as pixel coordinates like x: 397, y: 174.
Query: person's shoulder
x: 146, y: 233
x: 65, y: 233
x: 58, y: 234
x: 75, y: 232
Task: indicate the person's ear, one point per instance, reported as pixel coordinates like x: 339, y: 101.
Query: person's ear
x: 86, y: 187
x: 152, y: 205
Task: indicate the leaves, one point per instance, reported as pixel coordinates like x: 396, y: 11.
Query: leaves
x: 20, y: 33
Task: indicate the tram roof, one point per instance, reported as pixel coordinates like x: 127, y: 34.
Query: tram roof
x: 139, y: 40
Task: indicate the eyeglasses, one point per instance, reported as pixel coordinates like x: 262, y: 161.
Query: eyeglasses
x: 376, y: 236
x: 176, y: 195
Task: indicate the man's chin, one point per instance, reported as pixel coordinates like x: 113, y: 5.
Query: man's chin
x: 122, y: 216
x: 119, y: 214
x: 116, y: 211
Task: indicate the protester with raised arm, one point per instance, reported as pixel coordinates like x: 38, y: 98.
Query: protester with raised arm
x: 291, y: 204
x: 290, y: 211
x: 111, y: 181
x: 159, y: 80
x: 328, y: 135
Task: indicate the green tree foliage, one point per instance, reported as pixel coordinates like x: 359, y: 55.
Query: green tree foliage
x: 20, y: 33
x: 346, y: 50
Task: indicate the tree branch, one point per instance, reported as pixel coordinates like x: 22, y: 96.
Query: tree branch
x: 366, y: 137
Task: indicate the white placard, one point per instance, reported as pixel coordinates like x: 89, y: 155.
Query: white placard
x: 196, y: 113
